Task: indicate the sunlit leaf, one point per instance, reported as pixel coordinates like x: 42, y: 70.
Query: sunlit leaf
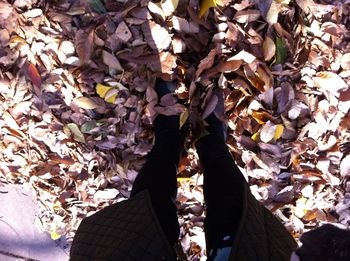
x: 279, y: 131
x: 256, y: 136
x: 169, y: 6
x: 272, y: 14
x: 330, y: 82
x: 261, y: 117
x: 101, y: 90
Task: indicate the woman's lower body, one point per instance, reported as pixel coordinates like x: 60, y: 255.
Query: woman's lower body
x: 223, y: 182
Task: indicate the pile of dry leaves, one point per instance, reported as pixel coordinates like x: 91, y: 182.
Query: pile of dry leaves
x: 77, y: 102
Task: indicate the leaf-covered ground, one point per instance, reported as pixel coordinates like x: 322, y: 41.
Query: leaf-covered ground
x: 77, y: 102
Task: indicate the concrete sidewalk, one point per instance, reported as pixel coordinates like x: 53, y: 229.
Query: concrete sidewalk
x: 20, y: 239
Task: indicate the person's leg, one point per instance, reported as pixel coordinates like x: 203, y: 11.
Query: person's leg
x: 223, y: 186
x: 158, y: 174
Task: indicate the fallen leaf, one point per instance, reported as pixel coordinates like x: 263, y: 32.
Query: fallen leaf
x: 207, y: 62
x: 97, y: 6
x: 269, y: 48
x: 156, y: 9
x: 183, y: 117
x: 345, y: 61
x: 34, y: 75
x: 262, y: 117
x: 54, y: 235
x: 111, y: 95
x: 158, y: 38
x: 345, y: 166
x: 279, y: 131
x: 247, y: 16
x: 85, y: 103
x: 210, y: 106
x: 74, y: 129
x: 169, y: 6
x: 101, y: 90
x: 281, y: 51
x: 272, y: 14
x: 206, y: 5
x: 330, y: 82
x: 123, y: 33
x: 84, y: 44
x: 111, y: 60
x: 267, y: 132
x: 244, y: 56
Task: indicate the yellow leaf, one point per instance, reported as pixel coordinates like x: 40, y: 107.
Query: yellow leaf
x: 183, y: 117
x: 54, y: 235
x: 256, y: 136
x: 206, y: 5
x: 279, y: 131
x: 183, y: 179
x: 101, y: 90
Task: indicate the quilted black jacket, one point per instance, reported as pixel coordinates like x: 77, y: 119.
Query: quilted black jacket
x: 129, y: 230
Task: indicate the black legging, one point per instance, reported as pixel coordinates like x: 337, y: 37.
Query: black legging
x: 223, y: 182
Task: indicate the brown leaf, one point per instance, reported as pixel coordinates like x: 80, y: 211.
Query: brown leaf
x: 207, y: 62
x: 223, y: 67
x: 123, y: 32
x: 84, y: 44
x: 210, y: 106
x: 112, y: 61
x: 34, y: 75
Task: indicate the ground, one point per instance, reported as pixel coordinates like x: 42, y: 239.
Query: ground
x: 77, y: 90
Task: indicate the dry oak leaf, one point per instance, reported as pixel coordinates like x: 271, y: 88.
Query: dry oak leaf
x: 84, y: 40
